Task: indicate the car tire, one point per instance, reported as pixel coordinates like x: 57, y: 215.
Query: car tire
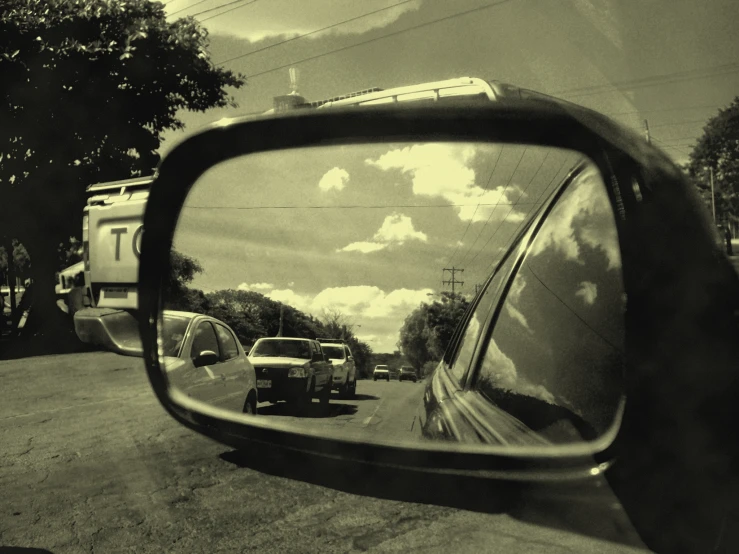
x: 324, y: 396
x: 353, y: 388
x: 344, y: 389
x: 301, y: 403
x: 250, y: 404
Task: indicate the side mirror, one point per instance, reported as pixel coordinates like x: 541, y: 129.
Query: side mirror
x: 350, y: 358
x: 325, y: 358
x: 206, y: 357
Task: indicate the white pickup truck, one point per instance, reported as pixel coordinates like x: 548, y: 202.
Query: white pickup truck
x: 112, y: 225
x: 381, y: 372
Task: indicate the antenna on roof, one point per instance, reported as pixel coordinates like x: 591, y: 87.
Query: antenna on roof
x: 294, y: 74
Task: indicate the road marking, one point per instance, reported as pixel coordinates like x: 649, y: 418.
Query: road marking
x: 368, y: 419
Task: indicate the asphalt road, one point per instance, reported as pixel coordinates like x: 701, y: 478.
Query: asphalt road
x: 381, y: 411
x: 90, y: 462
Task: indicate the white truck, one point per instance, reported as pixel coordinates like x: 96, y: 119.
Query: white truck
x: 112, y: 226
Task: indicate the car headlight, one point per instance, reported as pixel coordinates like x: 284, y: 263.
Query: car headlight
x: 298, y: 371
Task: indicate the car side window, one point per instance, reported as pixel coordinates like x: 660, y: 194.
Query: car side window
x: 474, y: 325
x: 555, y: 358
x: 227, y: 342
x: 205, y: 339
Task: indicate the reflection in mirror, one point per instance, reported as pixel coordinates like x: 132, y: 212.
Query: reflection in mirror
x: 297, y: 273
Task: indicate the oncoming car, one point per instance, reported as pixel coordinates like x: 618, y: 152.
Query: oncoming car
x: 408, y: 373
x: 204, y: 360
x: 291, y: 369
x: 381, y: 372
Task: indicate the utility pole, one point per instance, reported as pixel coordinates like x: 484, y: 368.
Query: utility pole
x: 646, y: 131
x: 453, y: 281
x: 279, y: 333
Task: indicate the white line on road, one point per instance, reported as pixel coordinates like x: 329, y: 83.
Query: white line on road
x: 368, y: 419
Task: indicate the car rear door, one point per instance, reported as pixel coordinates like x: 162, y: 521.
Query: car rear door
x: 233, y: 369
x: 204, y: 383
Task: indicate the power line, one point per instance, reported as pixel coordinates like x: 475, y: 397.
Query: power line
x: 216, y: 8
x: 227, y: 11
x: 188, y: 7
x: 667, y: 78
x: 484, y: 190
x: 511, y: 210
x: 657, y: 110
x: 679, y: 123
x: 311, y: 32
x: 493, y: 210
x: 375, y: 39
x: 536, y: 204
x: 348, y: 206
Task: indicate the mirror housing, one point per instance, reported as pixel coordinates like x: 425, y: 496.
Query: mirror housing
x: 661, y: 372
x: 206, y: 357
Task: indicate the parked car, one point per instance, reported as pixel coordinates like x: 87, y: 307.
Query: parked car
x: 381, y: 372
x: 204, y: 360
x: 408, y: 373
x: 345, y: 373
x: 292, y: 369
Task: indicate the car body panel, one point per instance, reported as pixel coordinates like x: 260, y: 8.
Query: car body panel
x: 225, y: 384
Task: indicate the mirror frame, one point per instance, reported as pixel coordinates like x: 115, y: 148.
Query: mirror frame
x: 531, y: 122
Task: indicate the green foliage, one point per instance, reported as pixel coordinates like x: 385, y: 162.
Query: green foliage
x: 718, y: 149
x: 21, y: 260
x: 88, y: 88
x: 428, y: 329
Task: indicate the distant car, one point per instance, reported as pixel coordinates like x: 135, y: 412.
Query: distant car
x: 291, y: 369
x: 345, y: 374
x: 204, y: 360
x: 408, y: 373
x: 381, y: 372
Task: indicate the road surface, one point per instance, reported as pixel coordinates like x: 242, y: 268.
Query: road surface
x: 90, y: 462
x: 381, y: 411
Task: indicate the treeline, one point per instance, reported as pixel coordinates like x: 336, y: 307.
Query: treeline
x: 252, y: 315
x: 428, y: 329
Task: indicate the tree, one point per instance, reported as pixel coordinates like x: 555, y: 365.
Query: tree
x: 718, y: 150
x: 428, y: 329
x: 89, y: 86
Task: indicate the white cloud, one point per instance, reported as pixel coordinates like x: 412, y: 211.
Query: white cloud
x: 291, y: 298
x: 287, y: 18
x: 500, y: 371
x: 588, y: 292
x: 441, y: 170
x: 335, y: 178
x: 396, y: 229
x: 363, y: 246
x: 514, y: 295
x: 588, y: 209
x: 256, y: 286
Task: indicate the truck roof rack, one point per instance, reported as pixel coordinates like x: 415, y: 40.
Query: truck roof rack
x: 338, y: 341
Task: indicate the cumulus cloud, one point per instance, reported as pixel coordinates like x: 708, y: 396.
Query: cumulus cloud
x: 588, y: 292
x: 335, y: 178
x: 514, y: 296
x: 586, y: 218
x: 356, y: 301
x: 442, y: 170
x: 396, y: 229
x: 256, y: 286
x: 500, y: 371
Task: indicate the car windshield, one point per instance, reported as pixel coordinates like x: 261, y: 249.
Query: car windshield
x: 333, y: 352
x: 172, y: 336
x: 281, y: 349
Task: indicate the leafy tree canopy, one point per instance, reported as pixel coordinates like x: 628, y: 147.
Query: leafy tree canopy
x: 718, y: 149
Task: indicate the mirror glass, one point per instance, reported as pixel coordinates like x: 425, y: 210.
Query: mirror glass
x: 321, y: 288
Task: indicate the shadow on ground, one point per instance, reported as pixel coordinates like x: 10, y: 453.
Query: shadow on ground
x: 312, y: 411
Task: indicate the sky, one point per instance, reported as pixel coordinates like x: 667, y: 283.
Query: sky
x: 671, y: 62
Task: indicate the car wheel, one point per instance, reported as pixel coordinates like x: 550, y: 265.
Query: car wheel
x: 344, y: 389
x: 353, y: 388
x: 325, y: 394
x: 300, y: 403
x: 250, y: 405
